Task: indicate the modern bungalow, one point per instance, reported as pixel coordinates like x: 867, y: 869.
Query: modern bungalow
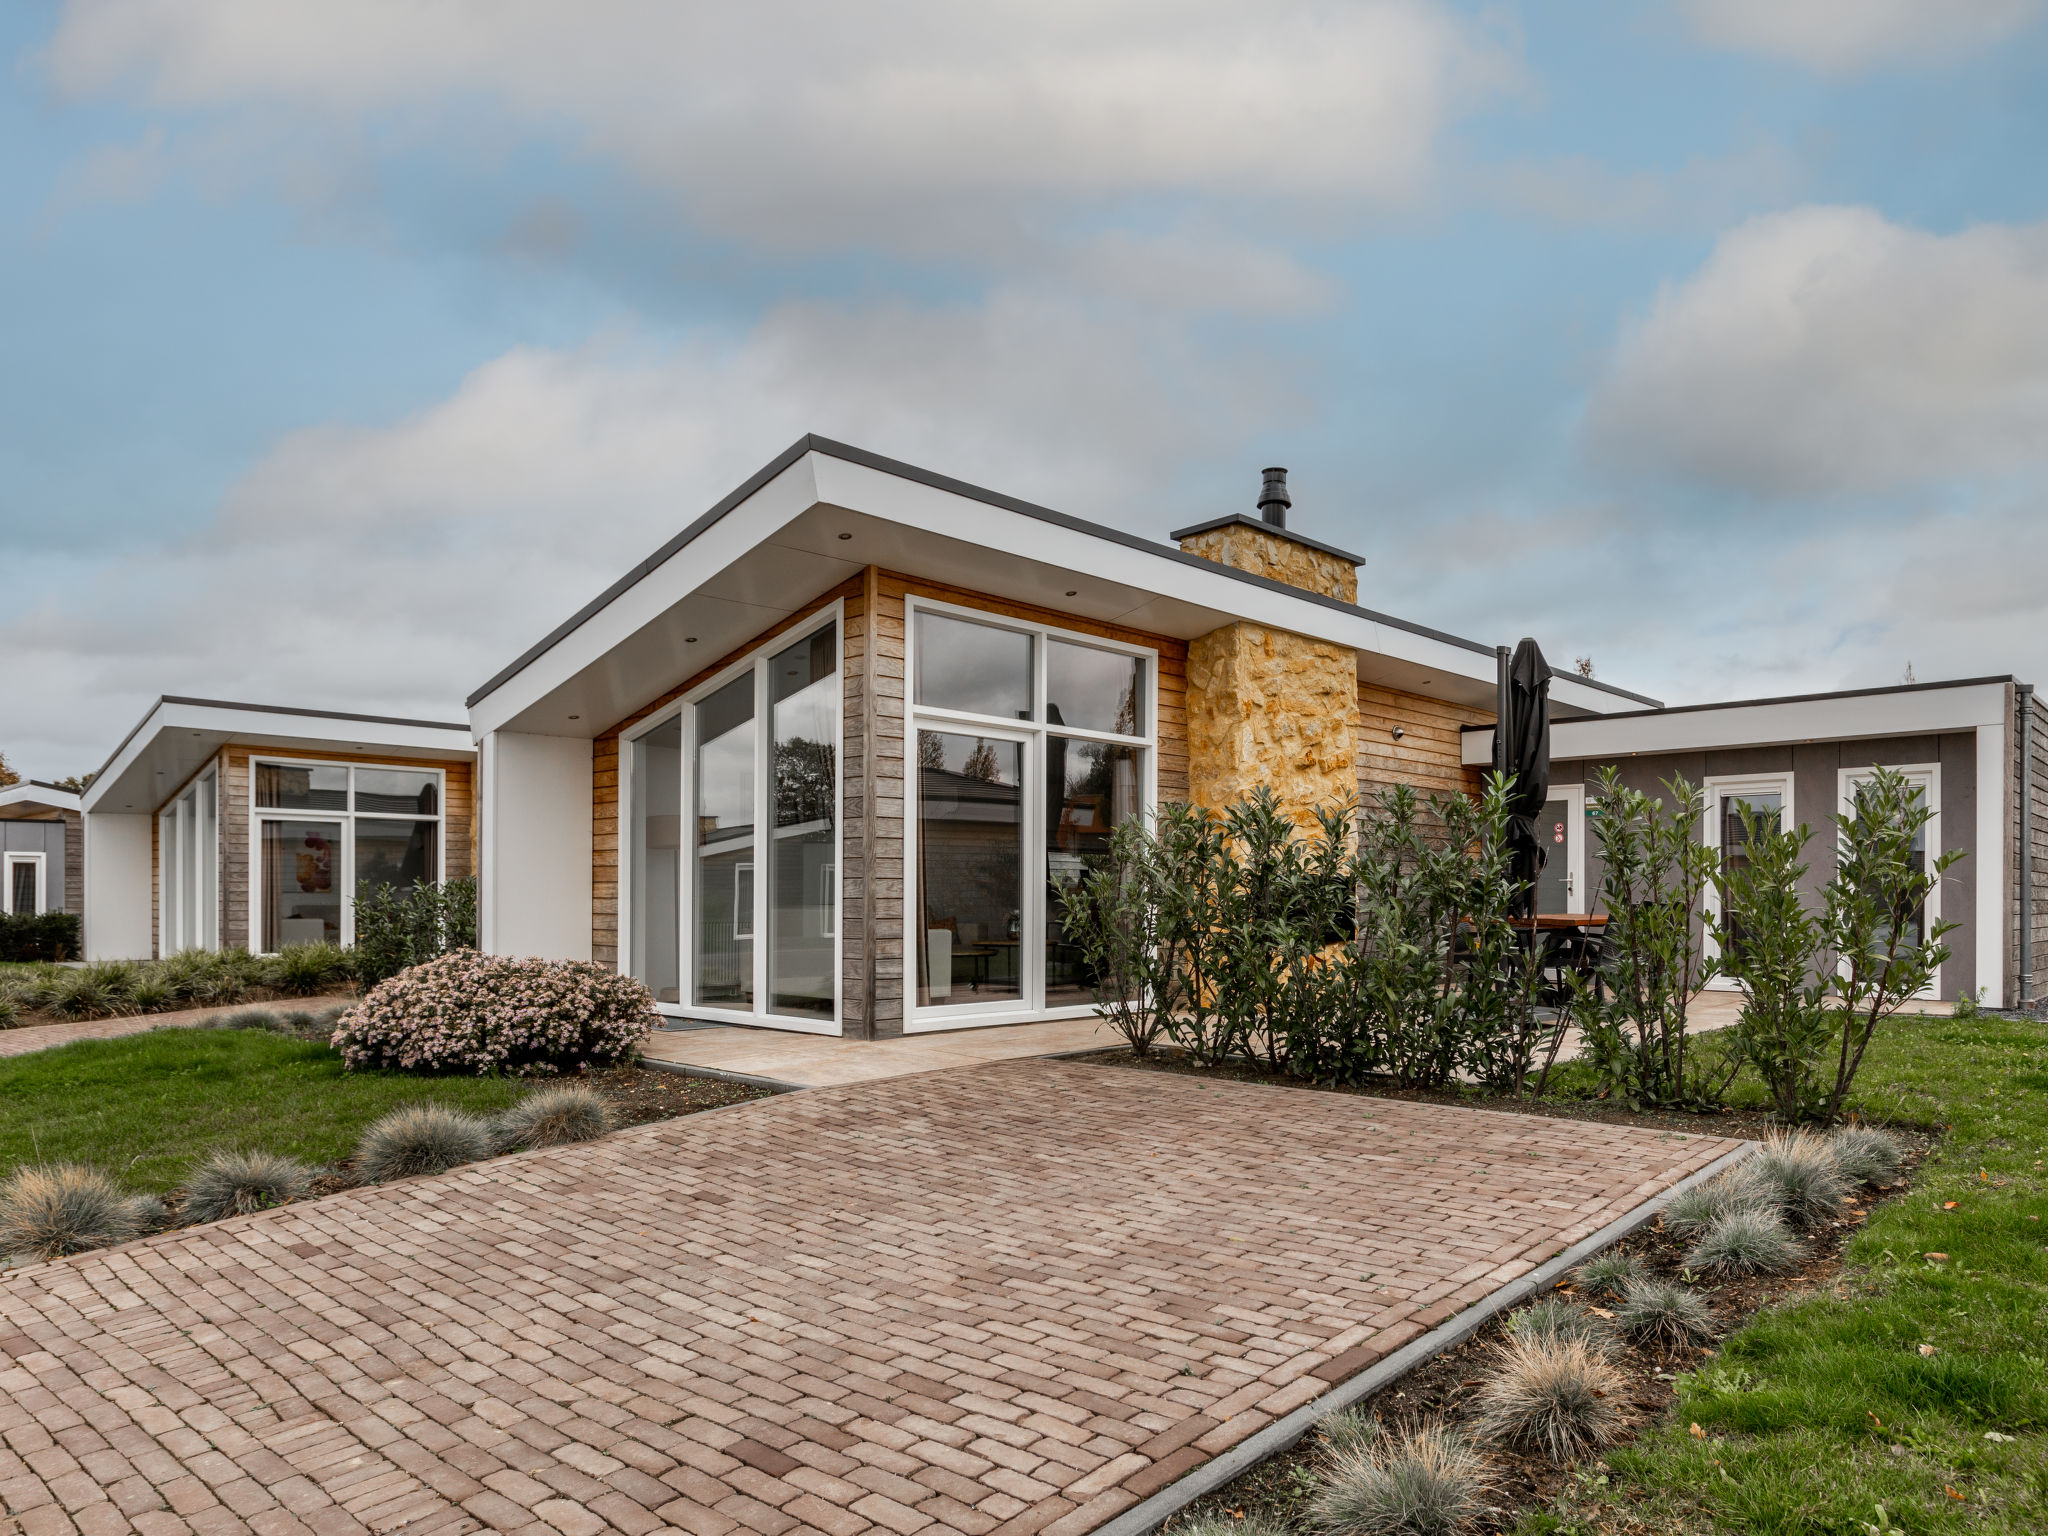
x: 218, y: 825
x: 822, y: 761
x: 1970, y: 746
x: 42, y: 849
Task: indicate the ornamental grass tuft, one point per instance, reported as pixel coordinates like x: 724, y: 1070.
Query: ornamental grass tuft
x: 1609, y: 1273
x: 149, y: 1213
x: 1746, y: 1242
x: 554, y: 1117
x: 421, y: 1138
x: 1224, y: 1525
x: 1427, y: 1482
x: 1660, y: 1314
x: 238, y: 1183
x: 53, y: 1209
x: 1352, y: 1430
x: 1556, y: 1318
x: 1797, y: 1174
x: 1692, y: 1211
x: 1557, y: 1397
x: 1865, y: 1156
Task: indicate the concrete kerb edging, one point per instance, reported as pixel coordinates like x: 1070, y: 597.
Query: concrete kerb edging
x: 1279, y: 1435
x: 772, y: 1084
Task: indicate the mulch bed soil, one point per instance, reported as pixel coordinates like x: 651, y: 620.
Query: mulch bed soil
x: 1444, y: 1389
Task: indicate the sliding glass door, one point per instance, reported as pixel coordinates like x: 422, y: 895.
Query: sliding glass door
x: 736, y: 914
x: 188, y: 872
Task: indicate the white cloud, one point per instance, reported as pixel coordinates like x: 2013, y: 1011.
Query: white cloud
x: 802, y: 123
x: 1847, y: 35
x: 1827, y: 349
x: 393, y: 568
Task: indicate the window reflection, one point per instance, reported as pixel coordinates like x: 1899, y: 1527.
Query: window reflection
x: 725, y: 846
x: 1092, y: 789
x: 803, y: 687
x: 1765, y: 810
x: 970, y: 857
x: 657, y: 858
x: 290, y: 787
x: 976, y: 668
x: 1094, y: 690
x: 301, y: 883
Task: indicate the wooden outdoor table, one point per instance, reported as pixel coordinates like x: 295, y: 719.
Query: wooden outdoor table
x: 1551, y: 922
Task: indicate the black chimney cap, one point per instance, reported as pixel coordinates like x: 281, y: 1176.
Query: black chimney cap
x: 1273, y: 498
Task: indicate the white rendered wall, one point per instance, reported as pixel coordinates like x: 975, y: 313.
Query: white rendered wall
x: 536, y: 846
x: 118, y: 925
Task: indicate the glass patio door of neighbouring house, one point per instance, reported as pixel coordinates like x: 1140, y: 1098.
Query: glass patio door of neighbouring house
x: 1924, y: 781
x: 1736, y: 809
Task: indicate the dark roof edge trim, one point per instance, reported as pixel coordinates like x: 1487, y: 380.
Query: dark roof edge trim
x: 267, y: 709
x: 812, y: 443
x: 1788, y: 698
x: 1245, y: 519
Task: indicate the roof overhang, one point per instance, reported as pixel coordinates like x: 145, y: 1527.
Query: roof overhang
x: 179, y: 736
x: 29, y: 797
x: 822, y: 512
x: 1913, y: 710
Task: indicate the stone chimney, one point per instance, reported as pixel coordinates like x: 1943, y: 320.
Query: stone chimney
x: 1268, y: 707
x: 1264, y: 546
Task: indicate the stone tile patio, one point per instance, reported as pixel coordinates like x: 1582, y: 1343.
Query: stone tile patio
x: 1010, y: 1298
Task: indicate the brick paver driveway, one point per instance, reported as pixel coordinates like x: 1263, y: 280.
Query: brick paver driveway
x: 1017, y: 1297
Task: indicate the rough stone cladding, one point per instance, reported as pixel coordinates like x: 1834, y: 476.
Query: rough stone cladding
x: 874, y: 656
x: 1273, y: 709
x: 1278, y: 558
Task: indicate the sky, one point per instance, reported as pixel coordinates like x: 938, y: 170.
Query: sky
x: 349, y: 348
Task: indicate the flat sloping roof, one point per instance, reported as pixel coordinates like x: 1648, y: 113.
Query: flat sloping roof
x: 1171, y: 568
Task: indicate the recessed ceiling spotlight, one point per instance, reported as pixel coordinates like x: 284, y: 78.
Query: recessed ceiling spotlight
x: 1073, y: 592
x: 575, y: 717
x: 845, y: 536
x: 689, y: 639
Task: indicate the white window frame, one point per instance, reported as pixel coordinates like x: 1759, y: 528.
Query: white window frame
x: 185, y: 919
x: 683, y: 709
x: 258, y: 814
x: 41, y: 861
x: 1033, y: 733
x: 1928, y: 777
x: 1714, y: 788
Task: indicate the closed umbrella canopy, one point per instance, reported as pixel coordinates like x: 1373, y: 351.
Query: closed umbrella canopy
x: 1525, y: 757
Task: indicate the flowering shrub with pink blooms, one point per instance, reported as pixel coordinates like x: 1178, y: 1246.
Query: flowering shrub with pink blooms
x: 466, y: 1012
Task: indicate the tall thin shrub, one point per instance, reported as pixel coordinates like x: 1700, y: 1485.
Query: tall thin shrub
x: 397, y: 928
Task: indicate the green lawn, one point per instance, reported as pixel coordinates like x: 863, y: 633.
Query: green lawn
x: 144, y: 1107
x: 1890, y: 1389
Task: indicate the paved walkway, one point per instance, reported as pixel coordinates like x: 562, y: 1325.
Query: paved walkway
x: 1004, y: 1299
x: 817, y: 1061
x: 38, y: 1037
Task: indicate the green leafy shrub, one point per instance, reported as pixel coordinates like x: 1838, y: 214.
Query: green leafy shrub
x: 399, y: 928
x: 1656, y: 1312
x: 1427, y: 1482
x: 302, y: 970
x: 467, y: 1012
x: 419, y: 1139
x: 94, y: 991
x: 49, y: 1211
x: 1746, y: 1241
x: 554, y: 1117
x: 1817, y: 983
x: 237, y: 1183
x: 1558, y: 1397
x: 31, y: 936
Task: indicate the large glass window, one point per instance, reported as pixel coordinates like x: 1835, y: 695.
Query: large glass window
x: 803, y: 891
x: 188, y: 874
x: 725, y: 846
x: 760, y: 751
x: 1006, y: 822
x: 375, y: 824
x: 970, y: 869
x: 657, y: 865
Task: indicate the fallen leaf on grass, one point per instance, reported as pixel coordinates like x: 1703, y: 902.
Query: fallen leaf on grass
x: 1928, y: 1349
x: 1935, y: 1258
x: 1949, y: 1205
x: 1600, y: 1312
x: 1953, y: 1494
x: 1697, y: 1433
x: 1996, y: 1438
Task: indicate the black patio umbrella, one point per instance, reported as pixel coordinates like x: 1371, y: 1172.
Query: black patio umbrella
x: 1525, y: 757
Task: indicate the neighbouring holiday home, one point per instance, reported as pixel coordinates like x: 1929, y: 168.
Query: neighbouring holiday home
x: 221, y: 825
x: 42, y: 850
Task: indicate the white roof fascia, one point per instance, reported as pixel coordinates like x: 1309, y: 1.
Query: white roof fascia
x: 279, y: 727
x: 753, y: 522
x: 27, y: 793
x: 1825, y: 717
